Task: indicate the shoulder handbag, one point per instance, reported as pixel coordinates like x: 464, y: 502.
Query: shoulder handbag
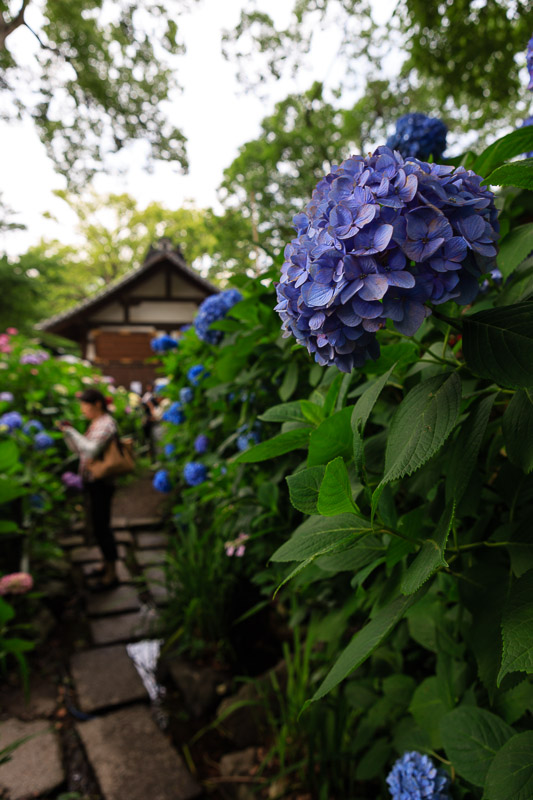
x: 117, y: 459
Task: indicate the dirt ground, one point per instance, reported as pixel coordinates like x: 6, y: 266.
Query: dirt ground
x: 138, y: 499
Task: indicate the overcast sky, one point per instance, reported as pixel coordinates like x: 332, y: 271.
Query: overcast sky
x: 213, y: 112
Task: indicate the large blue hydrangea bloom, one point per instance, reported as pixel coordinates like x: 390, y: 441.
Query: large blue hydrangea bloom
x: 420, y: 136
x: 381, y: 238
x: 42, y: 441
x: 414, y: 777
x: 529, y: 62
x: 186, y: 395
x: 161, y: 344
x: 32, y: 426
x: 212, y: 309
x: 12, y: 419
x: 194, y: 473
x: 201, y: 444
x: 197, y: 373
x: 161, y: 481
x: 174, y: 414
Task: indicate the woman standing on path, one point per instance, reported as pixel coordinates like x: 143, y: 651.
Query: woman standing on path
x: 99, y: 491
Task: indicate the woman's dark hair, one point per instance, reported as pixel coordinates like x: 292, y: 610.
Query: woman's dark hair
x: 93, y: 396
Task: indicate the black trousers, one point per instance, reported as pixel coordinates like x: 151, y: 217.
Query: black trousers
x: 100, y: 494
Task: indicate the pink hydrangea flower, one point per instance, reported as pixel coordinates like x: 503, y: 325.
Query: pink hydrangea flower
x: 16, y: 583
x: 12, y: 331
x: 237, y: 546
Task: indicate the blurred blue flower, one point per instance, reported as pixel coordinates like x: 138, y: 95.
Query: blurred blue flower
x: 161, y: 344
x: 381, y: 238
x: 420, y: 136
x: 212, y: 309
x: 248, y: 436
x: 42, y: 441
x: 201, y: 444
x: 529, y: 62
x: 525, y: 124
x: 6, y: 397
x: 161, y: 481
x: 12, y: 419
x: 32, y: 426
x: 414, y: 777
x: 194, y: 473
x: 186, y: 395
x: 197, y: 373
x: 170, y: 449
x: 37, y: 502
x: 174, y: 414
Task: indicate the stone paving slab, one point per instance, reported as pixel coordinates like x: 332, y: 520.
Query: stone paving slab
x: 123, y: 573
x: 149, y: 558
x: 122, y: 628
x: 76, y: 540
x: 35, y: 767
x: 133, y: 759
x: 114, y: 601
x: 119, y: 522
x: 84, y: 555
x: 106, y: 677
x: 147, y: 541
x: 144, y: 522
x: 155, y: 581
x: 123, y: 537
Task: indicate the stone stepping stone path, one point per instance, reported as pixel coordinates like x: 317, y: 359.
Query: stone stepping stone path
x: 84, y: 555
x: 123, y: 573
x: 149, y: 541
x: 149, y: 558
x: 106, y: 677
x: 155, y: 580
x: 122, y: 628
x: 133, y: 759
x: 123, y: 598
x: 35, y: 767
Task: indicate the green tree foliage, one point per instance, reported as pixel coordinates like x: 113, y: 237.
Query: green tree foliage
x: 461, y: 57
x: 97, y: 75
x: 24, y: 289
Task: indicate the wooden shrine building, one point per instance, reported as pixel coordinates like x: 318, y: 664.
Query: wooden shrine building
x: 114, y: 326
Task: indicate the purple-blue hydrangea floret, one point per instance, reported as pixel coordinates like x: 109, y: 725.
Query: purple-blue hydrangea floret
x: 197, y: 373
x: 420, y: 136
x: 211, y: 310
x: 414, y: 777
x: 201, y: 444
x: 37, y: 502
x: 32, y: 426
x: 526, y: 123
x: 381, y: 238
x: 42, y: 441
x: 6, y: 397
x: 186, y: 395
x: 194, y: 473
x: 529, y: 62
x: 161, y: 344
x: 170, y: 449
x: 174, y: 414
x: 12, y: 419
x: 161, y: 481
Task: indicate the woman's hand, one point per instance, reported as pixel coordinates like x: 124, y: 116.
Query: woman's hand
x: 63, y: 424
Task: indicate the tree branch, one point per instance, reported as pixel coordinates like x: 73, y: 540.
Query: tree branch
x: 6, y: 28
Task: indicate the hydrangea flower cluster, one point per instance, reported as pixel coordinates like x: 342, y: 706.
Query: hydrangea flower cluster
x: 35, y: 357
x: 414, y: 777
x: 526, y: 123
x: 11, y: 419
x: 186, y: 395
x: 211, y: 310
x: 37, y: 502
x: 248, y: 437
x: 161, y: 344
x: 380, y: 238
x: 237, y: 546
x: 32, y: 426
x: 201, y: 444
x: 5, y: 340
x: 6, y: 397
x: 72, y: 481
x: 529, y: 62
x: 16, y: 583
x: 420, y: 136
x: 170, y: 449
x: 197, y: 373
x: 174, y: 414
x: 161, y: 481
x: 194, y: 473
x: 43, y: 441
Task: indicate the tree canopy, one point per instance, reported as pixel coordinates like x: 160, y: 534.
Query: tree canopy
x: 95, y: 78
